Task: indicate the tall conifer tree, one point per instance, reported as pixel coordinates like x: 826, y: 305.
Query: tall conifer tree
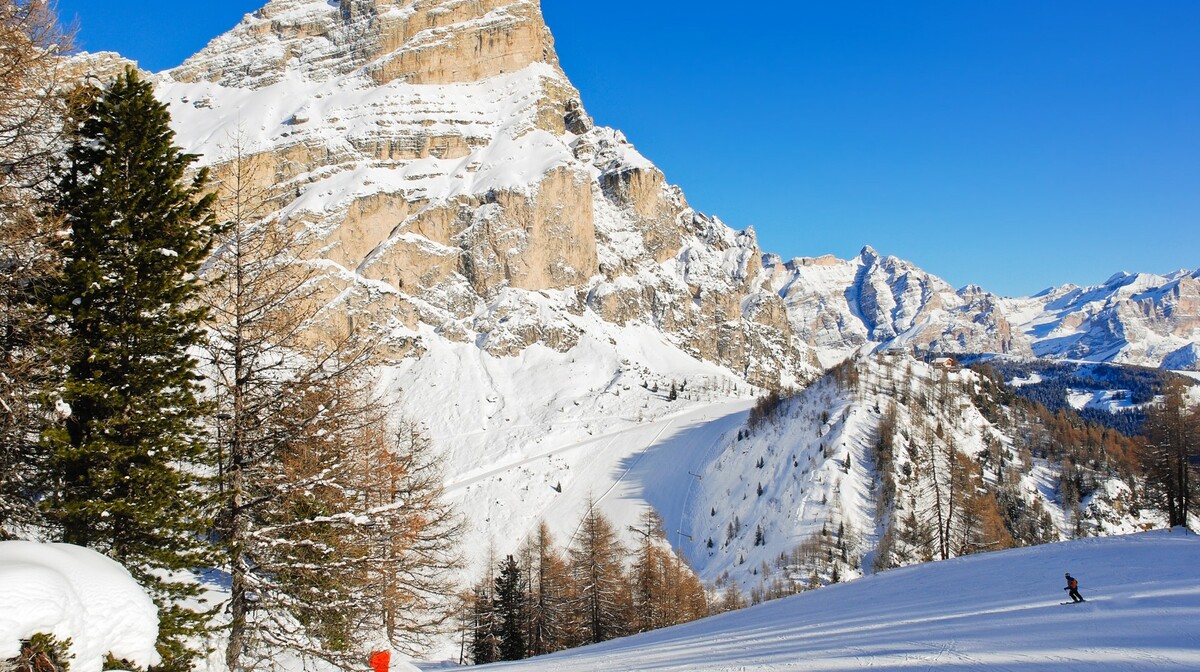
x: 597, y: 569
x: 509, y: 605
x: 124, y: 454
x: 549, y: 593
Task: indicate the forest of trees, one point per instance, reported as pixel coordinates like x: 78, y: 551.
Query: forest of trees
x: 543, y: 599
x: 946, y: 502
x: 1138, y: 385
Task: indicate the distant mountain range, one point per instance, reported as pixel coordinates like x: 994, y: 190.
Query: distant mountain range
x: 1143, y: 319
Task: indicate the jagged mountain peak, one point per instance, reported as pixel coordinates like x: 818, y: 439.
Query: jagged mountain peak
x: 417, y: 41
x: 447, y: 169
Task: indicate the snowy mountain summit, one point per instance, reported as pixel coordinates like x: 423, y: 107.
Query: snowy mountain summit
x: 451, y: 180
x: 1142, y: 319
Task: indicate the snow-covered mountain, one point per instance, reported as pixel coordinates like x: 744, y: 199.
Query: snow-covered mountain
x: 459, y: 193
x: 447, y: 169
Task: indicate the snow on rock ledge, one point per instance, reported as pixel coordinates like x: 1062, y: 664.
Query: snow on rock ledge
x: 73, y: 592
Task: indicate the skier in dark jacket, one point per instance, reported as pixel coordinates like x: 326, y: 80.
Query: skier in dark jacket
x: 1073, y: 586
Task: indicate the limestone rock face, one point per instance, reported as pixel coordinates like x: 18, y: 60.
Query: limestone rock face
x: 880, y: 299
x: 1143, y: 319
x: 441, y: 164
x: 418, y: 41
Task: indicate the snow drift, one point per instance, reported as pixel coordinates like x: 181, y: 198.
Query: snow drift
x: 74, y: 593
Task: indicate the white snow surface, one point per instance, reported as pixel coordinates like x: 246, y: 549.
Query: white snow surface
x: 1105, y: 400
x: 74, y: 593
x: 536, y: 436
x: 999, y: 612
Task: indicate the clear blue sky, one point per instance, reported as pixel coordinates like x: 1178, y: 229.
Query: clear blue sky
x: 1015, y: 144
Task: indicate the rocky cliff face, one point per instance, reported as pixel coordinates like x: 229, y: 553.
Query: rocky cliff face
x: 441, y: 161
x: 415, y: 41
x: 1145, y: 319
x: 875, y: 299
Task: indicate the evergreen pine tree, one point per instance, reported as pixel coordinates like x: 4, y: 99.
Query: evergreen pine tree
x: 124, y: 455
x: 509, y: 601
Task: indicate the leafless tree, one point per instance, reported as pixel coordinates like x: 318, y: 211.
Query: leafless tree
x: 32, y: 110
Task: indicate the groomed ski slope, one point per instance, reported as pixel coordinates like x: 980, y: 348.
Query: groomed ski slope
x: 997, y: 611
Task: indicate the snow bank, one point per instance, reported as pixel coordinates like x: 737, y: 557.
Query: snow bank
x: 72, y: 592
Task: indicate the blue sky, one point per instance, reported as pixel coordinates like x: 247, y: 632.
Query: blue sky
x: 1011, y: 144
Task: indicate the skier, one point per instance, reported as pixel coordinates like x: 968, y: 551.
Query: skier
x: 1073, y: 586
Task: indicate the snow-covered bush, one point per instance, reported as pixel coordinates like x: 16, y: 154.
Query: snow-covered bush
x: 78, y: 597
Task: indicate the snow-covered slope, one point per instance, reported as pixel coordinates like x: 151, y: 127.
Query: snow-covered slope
x: 813, y: 493
x: 789, y: 502
x: 998, y: 611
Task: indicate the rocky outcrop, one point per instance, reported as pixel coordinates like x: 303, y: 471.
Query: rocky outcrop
x: 1144, y: 319
x: 416, y: 41
x: 881, y: 299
